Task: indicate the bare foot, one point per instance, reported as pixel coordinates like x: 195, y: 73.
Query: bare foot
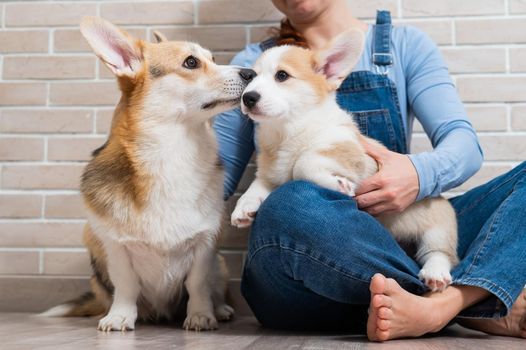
x: 395, y: 313
x: 513, y: 325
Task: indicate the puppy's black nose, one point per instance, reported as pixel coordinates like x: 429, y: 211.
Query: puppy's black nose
x: 247, y: 74
x: 251, y: 98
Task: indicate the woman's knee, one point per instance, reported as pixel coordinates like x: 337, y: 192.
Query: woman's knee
x: 298, y: 207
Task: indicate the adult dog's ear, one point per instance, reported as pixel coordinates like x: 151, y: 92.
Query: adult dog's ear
x: 116, y: 48
x: 338, y: 59
x: 159, y: 37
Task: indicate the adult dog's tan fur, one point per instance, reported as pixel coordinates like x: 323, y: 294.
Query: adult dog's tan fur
x: 154, y: 190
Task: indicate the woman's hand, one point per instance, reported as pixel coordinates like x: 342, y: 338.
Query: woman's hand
x: 393, y: 188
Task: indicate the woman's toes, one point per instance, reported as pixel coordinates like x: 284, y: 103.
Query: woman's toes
x: 380, y: 300
x: 385, y: 313
x: 382, y: 335
x: 378, y: 283
x: 392, y: 287
x: 383, y: 325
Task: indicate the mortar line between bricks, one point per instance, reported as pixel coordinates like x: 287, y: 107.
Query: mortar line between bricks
x: 51, y: 276
x: 247, y: 35
x: 46, y: 141
x: 41, y: 221
x: 453, y: 33
x: 196, y: 12
x: 508, y: 61
x: 34, y: 162
x: 88, y: 135
x: 51, y: 41
x: 23, y: 192
x: 273, y: 22
x: 43, y: 207
x: 464, y: 17
x: 40, y: 262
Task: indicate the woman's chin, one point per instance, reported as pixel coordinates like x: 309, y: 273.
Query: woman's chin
x: 303, y: 10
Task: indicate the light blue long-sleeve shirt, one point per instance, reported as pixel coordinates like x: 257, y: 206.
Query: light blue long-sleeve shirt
x: 425, y: 91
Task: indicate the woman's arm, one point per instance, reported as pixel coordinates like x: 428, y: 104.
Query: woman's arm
x: 235, y: 132
x: 434, y: 101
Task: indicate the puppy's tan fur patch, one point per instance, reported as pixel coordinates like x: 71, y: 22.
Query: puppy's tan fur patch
x: 301, y: 63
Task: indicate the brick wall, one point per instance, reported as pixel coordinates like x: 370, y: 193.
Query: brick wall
x: 56, y: 101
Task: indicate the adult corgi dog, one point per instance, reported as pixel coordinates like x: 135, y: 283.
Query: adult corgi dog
x: 304, y: 134
x: 154, y: 190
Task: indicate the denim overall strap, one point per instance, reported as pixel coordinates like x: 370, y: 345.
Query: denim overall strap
x: 372, y: 97
x: 382, y: 56
x: 268, y: 44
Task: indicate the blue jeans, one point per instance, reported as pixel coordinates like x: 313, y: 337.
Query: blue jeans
x: 312, y: 254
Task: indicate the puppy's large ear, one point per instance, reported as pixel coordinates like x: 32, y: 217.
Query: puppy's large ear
x: 117, y: 49
x: 337, y: 61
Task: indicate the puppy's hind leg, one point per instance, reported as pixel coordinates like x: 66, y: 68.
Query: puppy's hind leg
x: 223, y: 311
x: 322, y: 171
x: 437, y: 256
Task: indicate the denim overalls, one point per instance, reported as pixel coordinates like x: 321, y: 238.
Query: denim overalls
x: 371, y: 96
x: 312, y: 253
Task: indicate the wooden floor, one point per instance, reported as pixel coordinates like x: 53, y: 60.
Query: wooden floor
x: 26, y: 331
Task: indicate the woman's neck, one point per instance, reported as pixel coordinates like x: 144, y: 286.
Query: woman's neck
x: 319, y: 31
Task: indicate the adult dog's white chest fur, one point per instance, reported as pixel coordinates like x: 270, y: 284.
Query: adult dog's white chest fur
x: 182, y: 212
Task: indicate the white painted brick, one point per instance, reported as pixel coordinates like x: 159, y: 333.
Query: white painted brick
x: 441, y: 8
x: 491, y: 31
x: 492, y: 89
x: 518, y: 118
x: 518, y: 60
x: 475, y: 60
x: 483, y: 118
x: 46, y: 125
x: 517, y: 6
x: 440, y: 31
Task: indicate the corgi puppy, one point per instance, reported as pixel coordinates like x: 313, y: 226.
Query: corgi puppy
x: 304, y: 134
x: 154, y: 190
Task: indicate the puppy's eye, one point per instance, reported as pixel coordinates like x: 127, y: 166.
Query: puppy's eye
x: 281, y: 75
x: 191, y: 62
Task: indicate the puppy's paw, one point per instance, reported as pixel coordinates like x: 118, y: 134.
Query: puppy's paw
x: 118, y: 321
x: 436, y: 278
x: 200, y: 322
x: 345, y: 186
x: 224, y: 312
x: 245, y: 212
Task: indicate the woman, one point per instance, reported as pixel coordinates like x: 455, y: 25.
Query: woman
x: 319, y: 260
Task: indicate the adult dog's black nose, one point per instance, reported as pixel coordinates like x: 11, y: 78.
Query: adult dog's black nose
x: 251, y: 98
x: 247, y: 74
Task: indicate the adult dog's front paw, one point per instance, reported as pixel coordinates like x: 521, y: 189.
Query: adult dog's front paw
x: 118, y: 321
x: 200, y: 322
x: 245, y: 212
x: 224, y: 312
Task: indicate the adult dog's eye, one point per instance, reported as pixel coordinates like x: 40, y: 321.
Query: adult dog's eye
x: 191, y: 62
x: 281, y: 75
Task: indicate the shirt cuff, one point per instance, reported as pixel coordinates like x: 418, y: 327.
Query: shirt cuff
x: 426, y: 178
